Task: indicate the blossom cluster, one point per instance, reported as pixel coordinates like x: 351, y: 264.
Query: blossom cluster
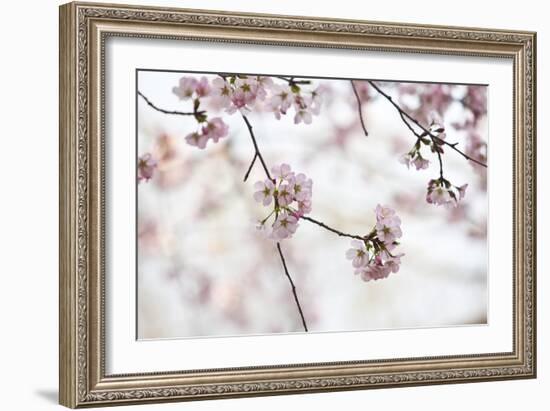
x: 243, y: 93
x: 190, y: 88
x: 289, y: 194
x: 414, y: 156
x: 211, y: 130
x: 372, y: 257
x: 442, y: 192
x: 146, y: 167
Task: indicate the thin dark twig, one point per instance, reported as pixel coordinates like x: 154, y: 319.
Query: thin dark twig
x: 291, y: 81
x: 179, y: 113
x: 250, y: 166
x: 257, y: 150
x: 419, y: 136
x: 434, y: 138
x: 292, y: 286
x: 359, y: 108
x: 334, y: 230
x: 438, y: 157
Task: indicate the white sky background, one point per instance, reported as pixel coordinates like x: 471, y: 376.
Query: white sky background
x: 207, y: 272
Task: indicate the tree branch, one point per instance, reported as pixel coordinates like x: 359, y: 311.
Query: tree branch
x: 333, y: 230
x: 179, y: 113
x: 250, y: 167
x: 291, y: 81
x: 434, y: 138
x: 359, y: 108
x: 292, y: 286
x: 256, y: 149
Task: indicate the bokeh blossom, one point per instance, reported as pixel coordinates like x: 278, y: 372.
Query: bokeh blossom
x: 146, y: 167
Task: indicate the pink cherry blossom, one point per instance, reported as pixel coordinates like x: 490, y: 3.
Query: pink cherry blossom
x: 304, y: 207
x: 238, y: 103
x: 285, y: 195
x: 247, y: 88
x: 261, y: 86
x: 386, y: 215
x: 302, y: 105
x: 202, y: 87
x: 264, y: 191
x: 406, y: 159
x: 374, y: 258
x: 438, y: 196
x: 215, y: 129
x: 221, y: 92
x: 285, y: 226
x: 379, y: 269
x: 421, y: 163
x: 186, y: 88
x: 197, y: 139
x: 374, y: 272
x: 282, y: 172
x: 303, y: 116
x: 414, y: 158
x: 146, y: 167
x: 300, y: 186
x: 388, y: 233
x: 462, y: 191
x: 290, y: 195
x: 281, y: 99
x: 388, y: 224
x: 317, y: 99
x: 358, y: 254
x: 442, y: 192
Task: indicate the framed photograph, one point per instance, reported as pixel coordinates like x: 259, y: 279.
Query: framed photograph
x: 260, y: 205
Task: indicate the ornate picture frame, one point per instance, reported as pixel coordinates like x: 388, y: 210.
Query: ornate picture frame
x: 84, y: 30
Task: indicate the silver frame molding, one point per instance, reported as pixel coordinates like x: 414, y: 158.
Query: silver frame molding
x: 84, y: 27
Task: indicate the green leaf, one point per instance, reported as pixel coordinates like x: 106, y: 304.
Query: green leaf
x: 295, y: 88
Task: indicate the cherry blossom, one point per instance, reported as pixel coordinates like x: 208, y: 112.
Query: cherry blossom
x: 372, y: 257
x: 146, y: 167
x: 300, y: 187
x: 358, y: 254
x: 197, y: 139
x: 415, y: 159
x: 304, y: 207
x: 285, y: 195
x: 290, y: 194
x: 215, y: 129
x: 221, y: 92
x: 442, y: 192
x: 303, y: 109
x: 462, y: 191
x: 281, y: 99
x: 379, y: 268
x: 264, y: 191
x: 282, y: 172
x: 202, y: 87
x: 186, y: 88
x: 285, y: 225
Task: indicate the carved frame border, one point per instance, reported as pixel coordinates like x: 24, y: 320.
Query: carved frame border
x: 83, y: 30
